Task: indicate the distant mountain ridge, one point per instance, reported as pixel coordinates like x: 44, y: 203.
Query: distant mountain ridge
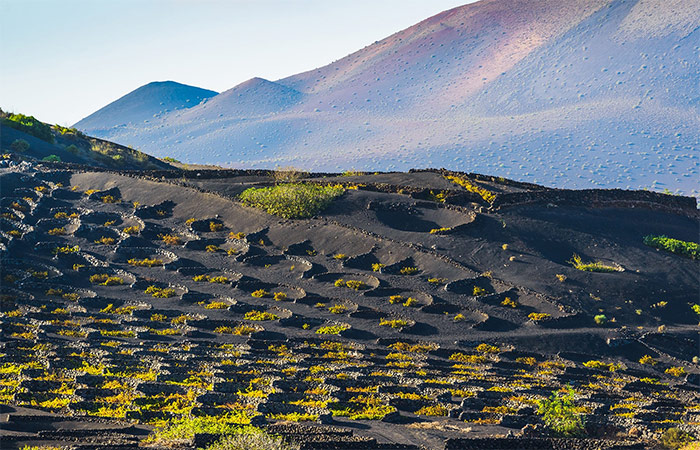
x: 601, y: 93
x: 146, y: 103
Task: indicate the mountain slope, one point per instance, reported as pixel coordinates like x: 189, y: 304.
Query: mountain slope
x: 601, y: 93
x: 24, y: 137
x: 145, y: 103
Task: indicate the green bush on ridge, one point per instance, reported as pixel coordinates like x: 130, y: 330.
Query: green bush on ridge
x: 29, y: 125
x: 683, y: 248
x: 293, y: 200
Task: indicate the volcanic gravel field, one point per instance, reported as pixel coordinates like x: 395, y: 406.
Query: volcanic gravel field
x: 444, y: 314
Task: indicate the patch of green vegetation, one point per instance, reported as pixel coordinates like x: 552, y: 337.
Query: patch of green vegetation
x: 252, y: 439
x: 293, y: 200
x: 260, y: 316
x: 160, y: 292
x: 598, y: 266
x: 146, y: 262
x: 171, y: 160
x: 19, y: 146
x: 675, y: 438
x: 559, y: 414
x: 362, y: 407
x: 683, y: 248
x: 332, y: 329
x: 29, y: 125
x: 179, y: 431
x: 471, y: 187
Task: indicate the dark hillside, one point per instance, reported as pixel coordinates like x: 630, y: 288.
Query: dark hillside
x: 410, y: 309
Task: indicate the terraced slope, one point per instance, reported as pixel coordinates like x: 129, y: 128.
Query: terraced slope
x: 427, y: 308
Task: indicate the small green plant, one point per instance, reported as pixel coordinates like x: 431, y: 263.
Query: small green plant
x: 215, y: 226
x: 355, y: 284
x: 509, y: 302
x: 65, y: 250
x: 260, y: 316
x: 410, y: 302
x: 683, y: 248
x: 675, y: 438
x: 676, y: 371
x: 146, y: 262
x: 479, y: 291
x: 279, y: 296
x: 538, y: 317
x: 293, y: 200
x: 106, y: 280
x: 338, y: 309
x: 600, y: 319
x: 109, y: 199
x: 592, y: 266
x: 409, y: 270
x: 104, y: 240
x: 559, y: 414
x: 377, y: 267
x: 332, y: 329
x: 393, y: 323
x: 170, y: 239
x: 432, y: 410
x: 255, y: 439
x: 157, y: 292
x: 218, y: 279
x: 487, y: 348
x: 646, y: 359
x: 260, y: 293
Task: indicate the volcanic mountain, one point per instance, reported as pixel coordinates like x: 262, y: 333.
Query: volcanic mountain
x: 146, y: 103
x: 601, y: 93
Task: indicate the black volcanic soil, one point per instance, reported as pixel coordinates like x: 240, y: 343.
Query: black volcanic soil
x: 92, y: 365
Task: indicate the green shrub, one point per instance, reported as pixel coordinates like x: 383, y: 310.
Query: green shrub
x: 592, y: 266
x: 674, y: 438
x: 252, y: 440
x: 52, y: 158
x: 182, y: 430
x: 683, y: 248
x: 19, y: 146
x: 291, y: 201
x: 29, y: 125
x: 559, y: 413
x: 600, y: 319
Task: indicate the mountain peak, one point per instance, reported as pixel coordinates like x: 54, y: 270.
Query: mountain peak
x: 144, y: 103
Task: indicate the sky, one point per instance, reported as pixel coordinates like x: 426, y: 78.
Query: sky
x: 62, y: 60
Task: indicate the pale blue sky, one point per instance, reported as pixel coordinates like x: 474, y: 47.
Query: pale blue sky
x: 62, y: 60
